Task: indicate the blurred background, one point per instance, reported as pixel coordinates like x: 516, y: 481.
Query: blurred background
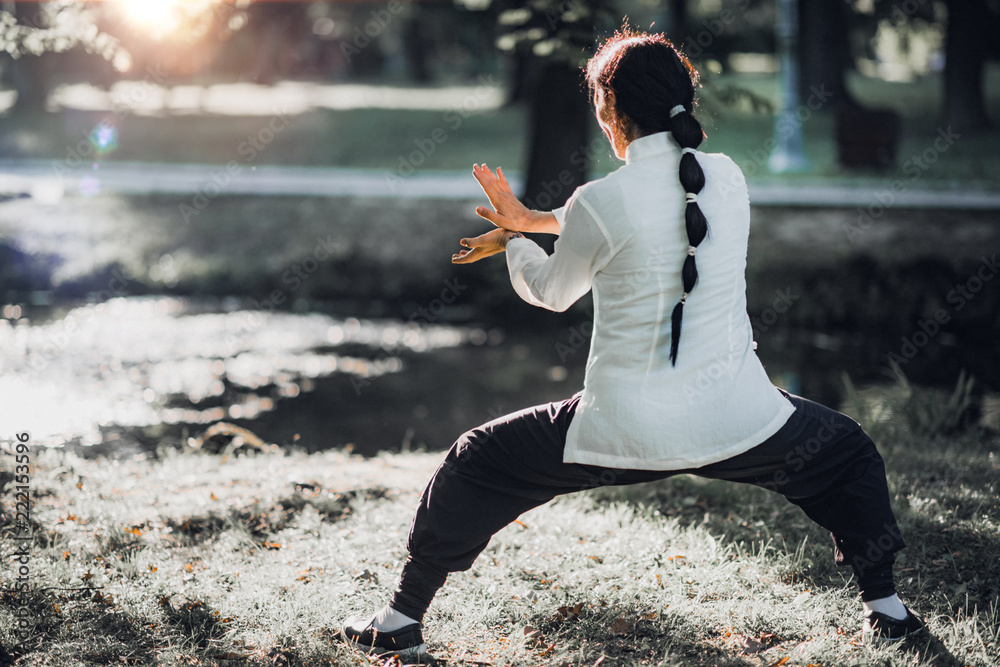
x: 244, y: 210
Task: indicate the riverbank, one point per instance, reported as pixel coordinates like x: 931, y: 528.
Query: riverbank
x: 190, y: 557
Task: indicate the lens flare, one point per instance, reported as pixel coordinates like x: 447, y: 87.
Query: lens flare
x: 104, y: 138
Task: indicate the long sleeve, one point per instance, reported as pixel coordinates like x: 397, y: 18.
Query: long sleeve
x: 556, y: 281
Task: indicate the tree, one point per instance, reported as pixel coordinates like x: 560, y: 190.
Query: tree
x: 970, y: 24
x: 561, y: 36
x: 31, y: 29
x: 824, y: 51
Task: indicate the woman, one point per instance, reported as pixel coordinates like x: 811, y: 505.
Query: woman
x: 669, y: 312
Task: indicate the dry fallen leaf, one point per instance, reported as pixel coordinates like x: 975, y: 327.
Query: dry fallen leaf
x: 620, y: 626
x: 533, y: 637
x: 566, y: 612
x: 368, y: 575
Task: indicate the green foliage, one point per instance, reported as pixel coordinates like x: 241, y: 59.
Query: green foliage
x: 733, y: 96
x: 934, y: 412
x: 562, y: 30
x: 919, y: 410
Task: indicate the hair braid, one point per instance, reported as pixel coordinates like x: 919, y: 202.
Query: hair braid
x: 650, y: 79
x: 687, y: 132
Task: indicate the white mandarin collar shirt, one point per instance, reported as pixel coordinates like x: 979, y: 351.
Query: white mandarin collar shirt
x: 623, y: 237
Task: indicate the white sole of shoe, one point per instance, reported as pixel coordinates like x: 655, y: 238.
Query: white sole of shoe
x: 410, y: 653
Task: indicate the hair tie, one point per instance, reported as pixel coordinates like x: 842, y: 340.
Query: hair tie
x: 676, y: 110
x: 692, y: 250
x: 691, y: 197
x: 688, y: 150
x: 684, y: 297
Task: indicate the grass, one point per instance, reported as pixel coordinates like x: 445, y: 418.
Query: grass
x: 187, y: 558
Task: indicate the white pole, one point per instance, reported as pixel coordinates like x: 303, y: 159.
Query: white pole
x: 788, y: 153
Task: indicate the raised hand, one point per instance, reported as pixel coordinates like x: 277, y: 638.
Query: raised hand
x: 508, y: 212
x: 485, y: 245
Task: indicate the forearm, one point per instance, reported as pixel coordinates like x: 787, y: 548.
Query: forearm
x: 544, y: 222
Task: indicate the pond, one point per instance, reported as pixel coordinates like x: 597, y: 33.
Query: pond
x: 139, y: 370
x: 131, y: 373
x: 357, y: 354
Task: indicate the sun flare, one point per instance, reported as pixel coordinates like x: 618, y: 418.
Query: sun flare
x: 158, y: 16
x: 162, y: 18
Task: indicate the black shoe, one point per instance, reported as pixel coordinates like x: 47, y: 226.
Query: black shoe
x: 406, y: 642
x: 886, y: 628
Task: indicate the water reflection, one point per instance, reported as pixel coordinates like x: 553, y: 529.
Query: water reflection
x: 138, y: 362
x: 161, y: 370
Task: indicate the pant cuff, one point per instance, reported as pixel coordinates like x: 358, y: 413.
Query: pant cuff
x: 876, y: 581
x: 418, y: 584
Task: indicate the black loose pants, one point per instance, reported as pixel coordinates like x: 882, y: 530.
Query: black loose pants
x: 820, y: 460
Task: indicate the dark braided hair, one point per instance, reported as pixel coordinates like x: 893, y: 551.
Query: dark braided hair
x: 653, y: 86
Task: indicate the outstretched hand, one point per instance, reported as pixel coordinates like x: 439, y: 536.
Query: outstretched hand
x: 483, y: 246
x: 509, y: 212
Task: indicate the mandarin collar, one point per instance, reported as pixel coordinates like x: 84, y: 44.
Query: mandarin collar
x: 650, y: 145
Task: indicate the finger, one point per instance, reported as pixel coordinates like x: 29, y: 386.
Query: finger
x: 503, y: 179
x: 477, y: 241
x: 492, y: 216
x: 466, y: 257
x: 486, y: 182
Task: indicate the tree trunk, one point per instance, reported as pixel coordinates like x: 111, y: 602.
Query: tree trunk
x: 559, y: 112
x: 678, y: 21
x: 416, y: 47
x: 28, y: 73
x: 824, y: 53
x: 965, y: 49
